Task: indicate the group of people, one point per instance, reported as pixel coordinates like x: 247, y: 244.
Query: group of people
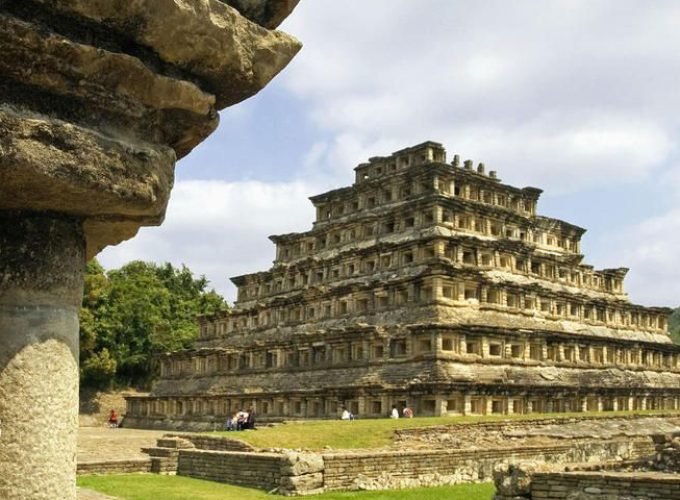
x: 241, y: 420
x: 346, y: 414
x: 406, y: 412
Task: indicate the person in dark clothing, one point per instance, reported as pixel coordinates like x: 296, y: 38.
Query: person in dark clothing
x: 250, y: 421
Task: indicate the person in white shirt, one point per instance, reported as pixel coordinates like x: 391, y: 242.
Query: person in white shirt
x: 395, y: 412
x: 346, y: 415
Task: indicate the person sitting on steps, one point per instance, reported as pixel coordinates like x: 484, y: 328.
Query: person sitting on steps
x: 113, y: 419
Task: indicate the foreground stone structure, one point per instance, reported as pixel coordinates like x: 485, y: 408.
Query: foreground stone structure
x: 97, y: 102
x: 503, y: 454
x: 651, y: 477
x: 428, y: 284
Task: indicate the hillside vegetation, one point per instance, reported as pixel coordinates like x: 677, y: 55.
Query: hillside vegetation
x: 674, y: 325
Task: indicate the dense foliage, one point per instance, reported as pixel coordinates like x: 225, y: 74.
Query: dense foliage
x: 130, y: 314
x: 674, y: 325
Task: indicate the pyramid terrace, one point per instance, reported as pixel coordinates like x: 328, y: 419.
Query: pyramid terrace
x: 428, y: 284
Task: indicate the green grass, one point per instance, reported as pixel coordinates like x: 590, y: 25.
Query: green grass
x: 154, y: 487
x: 370, y: 433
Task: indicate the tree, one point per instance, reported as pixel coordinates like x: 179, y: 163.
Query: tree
x: 135, y: 312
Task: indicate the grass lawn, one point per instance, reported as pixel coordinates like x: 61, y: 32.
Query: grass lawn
x: 154, y: 487
x: 370, y: 433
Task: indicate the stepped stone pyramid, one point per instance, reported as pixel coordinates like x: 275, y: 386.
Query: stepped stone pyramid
x: 428, y: 284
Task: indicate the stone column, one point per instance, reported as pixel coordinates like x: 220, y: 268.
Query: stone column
x: 42, y: 259
x: 90, y: 129
x: 467, y: 404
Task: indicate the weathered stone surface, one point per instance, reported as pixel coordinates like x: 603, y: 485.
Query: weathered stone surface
x: 514, y: 480
x: 303, y: 482
x: 49, y: 164
x: 301, y: 463
x: 41, y: 279
x: 98, y: 99
x: 67, y: 68
x: 233, y: 56
x: 267, y: 13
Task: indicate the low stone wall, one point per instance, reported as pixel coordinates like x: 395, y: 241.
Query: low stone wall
x: 214, y: 443
x: 605, y: 486
x: 652, y: 476
x: 303, y: 473
x: 667, y: 453
x: 518, y: 425
x: 290, y: 473
x: 499, y: 425
x: 387, y: 469
x: 257, y: 470
x: 115, y: 466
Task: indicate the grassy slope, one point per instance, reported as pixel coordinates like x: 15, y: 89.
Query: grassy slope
x: 369, y: 433
x: 154, y: 487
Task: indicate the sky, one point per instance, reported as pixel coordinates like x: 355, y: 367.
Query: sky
x: 580, y: 98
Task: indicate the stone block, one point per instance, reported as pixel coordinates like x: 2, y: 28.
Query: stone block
x: 303, y: 482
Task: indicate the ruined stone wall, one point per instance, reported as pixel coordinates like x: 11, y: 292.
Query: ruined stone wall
x: 306, y: 472
x: 382, y: 470
x: 115, y: 466
x: 667, y: 453
x: 255, y: 470
x: 286, y: 473
x: 650, y: 476
x: 211, y: 443
x: 605, y: 486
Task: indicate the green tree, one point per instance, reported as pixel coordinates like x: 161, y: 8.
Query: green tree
x: 99, y: 369
x: 135, y: 312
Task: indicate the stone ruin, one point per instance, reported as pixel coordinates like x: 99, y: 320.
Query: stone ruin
x: 518, y: 454
x: 653, y: 476
x: 428, y: 284
x: 98, y: 99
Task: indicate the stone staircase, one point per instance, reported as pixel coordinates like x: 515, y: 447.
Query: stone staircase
x: 164, y: 454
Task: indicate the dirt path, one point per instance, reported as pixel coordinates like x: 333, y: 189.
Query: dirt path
x: 97, y: 444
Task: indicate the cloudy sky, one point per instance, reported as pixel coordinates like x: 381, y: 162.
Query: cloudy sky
x: 580, y: 98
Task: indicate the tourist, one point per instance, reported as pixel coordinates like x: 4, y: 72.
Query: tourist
x: 241, y: 418
x: 395, y: 412
x: 113, y: 419
x: 250, y: 419
x: 231, y: 422
x: 407, y: 412
x: 346, y: 415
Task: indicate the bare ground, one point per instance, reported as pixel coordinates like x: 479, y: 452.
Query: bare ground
x: 98, y: 444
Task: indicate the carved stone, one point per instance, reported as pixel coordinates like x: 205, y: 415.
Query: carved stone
x: 98, y: 99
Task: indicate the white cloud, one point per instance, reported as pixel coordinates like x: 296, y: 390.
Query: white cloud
x: 538, y: 89
x: 220, y: 229
x: 650, y: 248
